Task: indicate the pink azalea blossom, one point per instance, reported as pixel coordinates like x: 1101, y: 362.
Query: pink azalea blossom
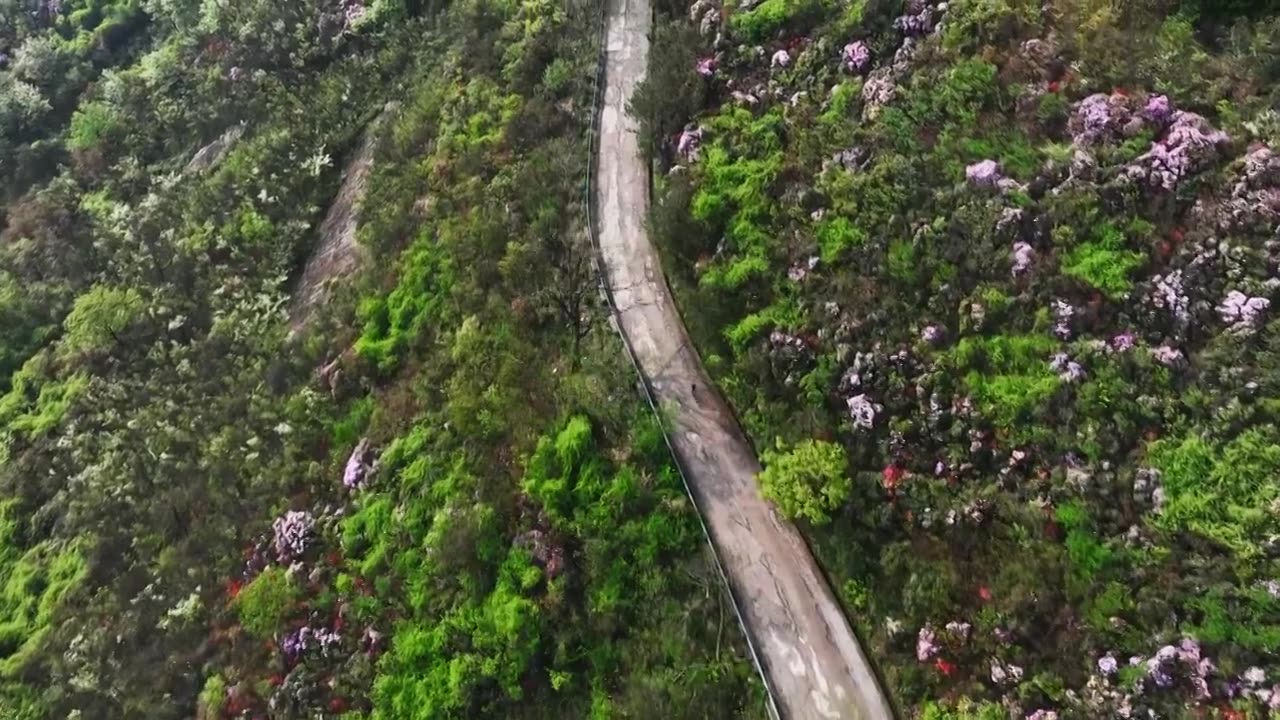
x: 690, y: 141
x: 293, y: 533
x: 1023, y: 256
x: 357, y: 469
x: 983, y: 174
x: 1241, y: 310
x: 1107, y: 665
x: 925, y: 646
x: 856, y: 56
x: 1158, y: 109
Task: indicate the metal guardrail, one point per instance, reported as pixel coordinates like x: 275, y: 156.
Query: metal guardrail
x: 606, y: 291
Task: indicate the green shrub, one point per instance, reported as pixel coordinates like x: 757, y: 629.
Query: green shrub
x: 844, y: 98
x: 903, y: 261
x: 1054, y: 109
x: 1008, y: 376
x: 764, y: 20
x: 557, y: 76
x: 212, y: 696
x: 972, y: 24
x: 436, y: 667
x: 1105, y: 262
x: 37, y: 403
x: 22, y: 702
x: 1113, y: 601
x: 348, y: 429
x: 781, y: 314
x: 963, y: 709
x: 33, y: 586
x: 1088, y: 556
x: 1222, y: 492
x: 1226, y: 617
x: 93, y: 124
x: 368, y: 534
x: 736, y: 192
x: 100, y: 317
x: 554, y: 469
x: 808, y: 481
x: 954, y: 97
x: 837, y: 234
x: 393, y: 322
x: 266, y: 602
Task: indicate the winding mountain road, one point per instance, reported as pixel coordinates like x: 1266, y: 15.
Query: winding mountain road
x: 809, y: 656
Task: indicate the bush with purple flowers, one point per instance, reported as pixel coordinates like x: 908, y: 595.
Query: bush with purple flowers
x: 292, y: 534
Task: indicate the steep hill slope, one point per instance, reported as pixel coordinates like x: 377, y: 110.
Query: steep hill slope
x: 996, y: 279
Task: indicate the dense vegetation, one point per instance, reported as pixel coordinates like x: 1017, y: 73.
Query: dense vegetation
x: 993, y: 283
x: 441, y: 498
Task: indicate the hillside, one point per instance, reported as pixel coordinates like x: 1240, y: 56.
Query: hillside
x: 990, y: 284
x: 311, y: 405
x: 440, y: 497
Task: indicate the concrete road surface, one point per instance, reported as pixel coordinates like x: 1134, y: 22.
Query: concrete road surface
x: 811, y: 659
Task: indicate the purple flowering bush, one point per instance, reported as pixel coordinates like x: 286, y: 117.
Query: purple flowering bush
x: 293, y: 533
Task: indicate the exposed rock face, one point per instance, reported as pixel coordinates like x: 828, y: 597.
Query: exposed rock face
x: 207, y: 157
x: 337, y: 253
